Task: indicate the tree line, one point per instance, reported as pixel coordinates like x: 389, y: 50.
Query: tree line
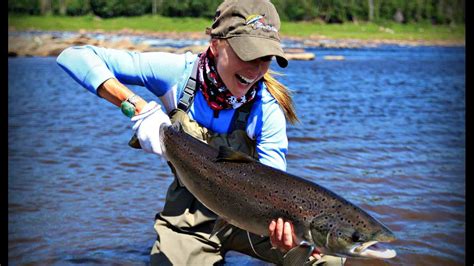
x: 329, y: 11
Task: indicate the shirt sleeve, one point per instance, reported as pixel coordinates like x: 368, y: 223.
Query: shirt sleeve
x: 272, y: 141
x: 90, y: 66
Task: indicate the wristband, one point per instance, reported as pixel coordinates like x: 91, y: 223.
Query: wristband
x: 128, y: 106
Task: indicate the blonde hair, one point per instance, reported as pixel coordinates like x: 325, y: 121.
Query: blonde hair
x: 282, y: 95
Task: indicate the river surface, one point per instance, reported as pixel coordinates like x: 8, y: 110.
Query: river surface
x: 384, y: 128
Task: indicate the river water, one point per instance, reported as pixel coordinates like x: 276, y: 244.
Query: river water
x: 384, y: 128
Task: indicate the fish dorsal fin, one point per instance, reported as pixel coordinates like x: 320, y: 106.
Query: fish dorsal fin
x: 220, y: 225
x: 226, y: 154
x: 298, y: 255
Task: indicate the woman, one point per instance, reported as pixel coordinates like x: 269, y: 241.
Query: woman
x: 226, y: 96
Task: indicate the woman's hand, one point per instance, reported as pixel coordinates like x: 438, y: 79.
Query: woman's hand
x: 282, y: 236
x: 147, y: 127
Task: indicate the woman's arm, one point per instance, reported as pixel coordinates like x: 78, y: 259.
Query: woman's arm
x: 91, y: 66
x: 115, y: 92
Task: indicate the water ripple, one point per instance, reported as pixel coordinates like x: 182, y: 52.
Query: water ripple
x: 381, y: 128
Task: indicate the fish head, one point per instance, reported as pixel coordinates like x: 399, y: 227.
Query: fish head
x: 347, y: 237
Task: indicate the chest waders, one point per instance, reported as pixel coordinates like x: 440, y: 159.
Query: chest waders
x: 184, y: 225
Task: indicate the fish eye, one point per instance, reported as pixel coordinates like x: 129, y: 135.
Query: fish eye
x: 355, y: 236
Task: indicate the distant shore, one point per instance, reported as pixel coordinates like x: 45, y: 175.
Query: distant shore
x: 51, y: 43
x: 44, y: 35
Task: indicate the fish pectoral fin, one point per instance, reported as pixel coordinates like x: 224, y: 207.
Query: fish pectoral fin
x: 297, y: 255
x: 221, y: 225
x: 177, y: 126
x: 226, y: 154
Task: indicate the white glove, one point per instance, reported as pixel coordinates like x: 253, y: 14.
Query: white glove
x: 147, y: 127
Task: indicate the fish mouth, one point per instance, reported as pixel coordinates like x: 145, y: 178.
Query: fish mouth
x: 372, y: 249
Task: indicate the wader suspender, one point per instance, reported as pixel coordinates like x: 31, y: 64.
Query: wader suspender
x: 188, y: 94
x: 241, y: 115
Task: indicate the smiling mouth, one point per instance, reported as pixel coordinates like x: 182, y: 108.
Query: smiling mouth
x: 372, y: 249
x: 243, y: 79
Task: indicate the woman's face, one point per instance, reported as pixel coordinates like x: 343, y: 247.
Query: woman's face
x: 238, y: 76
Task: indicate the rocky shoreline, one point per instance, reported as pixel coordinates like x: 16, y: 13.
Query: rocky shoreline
x: 52, y: 43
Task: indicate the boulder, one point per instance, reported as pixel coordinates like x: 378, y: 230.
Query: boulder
x: 300, y: 56
x: 334, y: 57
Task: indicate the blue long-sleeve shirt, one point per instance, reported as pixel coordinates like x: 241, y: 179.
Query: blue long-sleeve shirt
x: 165, y: 75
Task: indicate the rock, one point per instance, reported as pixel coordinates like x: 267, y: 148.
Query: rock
x: 294, y: 50
x: 80, y: 40
x: 195, y: 49
x: 300, y: 56
x: 166, y: 49
x: 123, y: 44
x: 51, y: 50
x: 334, y: 57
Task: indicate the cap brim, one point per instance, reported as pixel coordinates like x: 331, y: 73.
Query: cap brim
x: 249, y: 48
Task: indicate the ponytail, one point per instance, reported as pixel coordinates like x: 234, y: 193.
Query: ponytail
x: 282, y: 95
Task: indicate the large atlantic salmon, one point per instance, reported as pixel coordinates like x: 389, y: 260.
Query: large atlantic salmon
x: 248, y: 194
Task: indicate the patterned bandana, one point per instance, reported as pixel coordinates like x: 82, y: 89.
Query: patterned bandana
x: 218, y: 97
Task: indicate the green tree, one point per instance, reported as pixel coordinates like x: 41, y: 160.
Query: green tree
x: 24, y: 6
x: 78, y: 7
x: 190, y: 8
x: 114, y: 8
x: 331, y: 11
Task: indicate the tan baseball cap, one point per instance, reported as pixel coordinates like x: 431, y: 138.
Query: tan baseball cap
x: 251, y: 28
